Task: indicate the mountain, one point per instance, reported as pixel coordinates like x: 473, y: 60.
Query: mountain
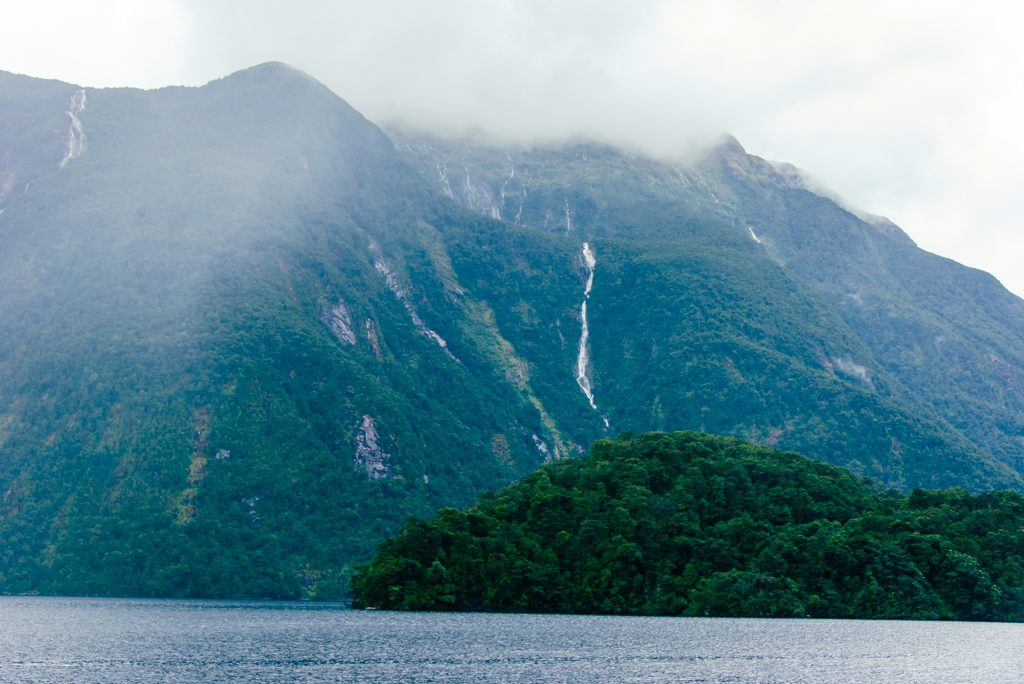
x: 222, y: 373
x: 776, y: 262
x: 247, y: 333
x: 690, y: 524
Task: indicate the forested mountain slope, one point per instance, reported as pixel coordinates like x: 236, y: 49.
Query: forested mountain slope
x: 939, y: 340
x: 234, y: 352
x: 245, y: 336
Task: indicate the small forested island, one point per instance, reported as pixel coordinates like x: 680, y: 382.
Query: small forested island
x: 691, y: 524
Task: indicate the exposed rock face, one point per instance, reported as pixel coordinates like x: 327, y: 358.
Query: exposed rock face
x: 339, y: 320
x: 373, y: 337
x: 501, y: 450
x: 369, y: 456
x: 6, y: 183
x: 186, y: 509
x: 542, y: 448
x: 402, y: 295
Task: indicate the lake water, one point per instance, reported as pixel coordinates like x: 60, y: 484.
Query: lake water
x: 119, y: 640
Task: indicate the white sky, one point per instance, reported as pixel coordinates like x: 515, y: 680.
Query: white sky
x: 907, y: 109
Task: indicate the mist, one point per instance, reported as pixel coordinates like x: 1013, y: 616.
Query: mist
x: 511, y: 72
x: 905, y: 113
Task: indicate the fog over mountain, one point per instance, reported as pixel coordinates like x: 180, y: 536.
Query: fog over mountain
x: 906, y: 113
x: 248, y: 331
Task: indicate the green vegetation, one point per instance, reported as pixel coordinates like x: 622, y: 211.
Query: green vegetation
x: 178, y: 417
x: 690, y: 524
x: 937, y: 345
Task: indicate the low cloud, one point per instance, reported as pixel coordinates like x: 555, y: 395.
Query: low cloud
x: 905, y: 111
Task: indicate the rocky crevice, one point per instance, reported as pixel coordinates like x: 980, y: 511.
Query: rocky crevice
x: 339, y: 320
x: 369, y: 455
x: 402, y: 295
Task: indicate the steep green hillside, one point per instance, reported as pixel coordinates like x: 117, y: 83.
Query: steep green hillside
x: 951, y: 336
x: 697, y: 322
x: 234, y: 357
x: 686, y: 523
x: 791, y: 286
x: 245, y: 337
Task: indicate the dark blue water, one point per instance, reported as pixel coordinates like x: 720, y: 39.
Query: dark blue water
x: 96, y: 640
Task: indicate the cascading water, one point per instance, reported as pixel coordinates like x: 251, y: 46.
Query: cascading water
x: 583, y: 357
x: 76, y: 134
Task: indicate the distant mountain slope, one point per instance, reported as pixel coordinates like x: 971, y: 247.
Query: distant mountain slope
x: 245, y: 337
x: 951, y: 335
x: 233, y: 359
x: 922, y: 333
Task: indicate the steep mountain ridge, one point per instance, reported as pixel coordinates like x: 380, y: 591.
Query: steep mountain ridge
x: 225, y: 328
x: 950, y: 334
x: 920, y: 331
x: 246, y: 336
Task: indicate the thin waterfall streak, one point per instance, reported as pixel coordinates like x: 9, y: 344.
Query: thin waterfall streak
x: 583, y: 356
x: 76, y: 133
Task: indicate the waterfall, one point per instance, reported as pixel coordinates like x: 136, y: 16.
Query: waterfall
x: 583, y: 357
x: 76, y: 134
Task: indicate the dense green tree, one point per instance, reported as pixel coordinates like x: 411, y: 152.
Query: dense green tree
x: 690, y: 524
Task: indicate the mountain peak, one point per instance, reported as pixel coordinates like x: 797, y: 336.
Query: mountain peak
x: 250, y: 337
x: 728, y: 152
x: 272, y: 74
x: 289, y: 95
x: 728, y: 145
x: 273, y: 69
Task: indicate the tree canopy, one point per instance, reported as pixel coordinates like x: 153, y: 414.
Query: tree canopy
x: 691, y: 524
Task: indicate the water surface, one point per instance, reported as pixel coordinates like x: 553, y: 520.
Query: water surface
x: 118, y: 640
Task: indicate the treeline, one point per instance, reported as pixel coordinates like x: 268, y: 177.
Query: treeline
x: 690, y: 524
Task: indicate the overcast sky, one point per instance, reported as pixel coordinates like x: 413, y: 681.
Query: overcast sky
x: 909, y: 110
